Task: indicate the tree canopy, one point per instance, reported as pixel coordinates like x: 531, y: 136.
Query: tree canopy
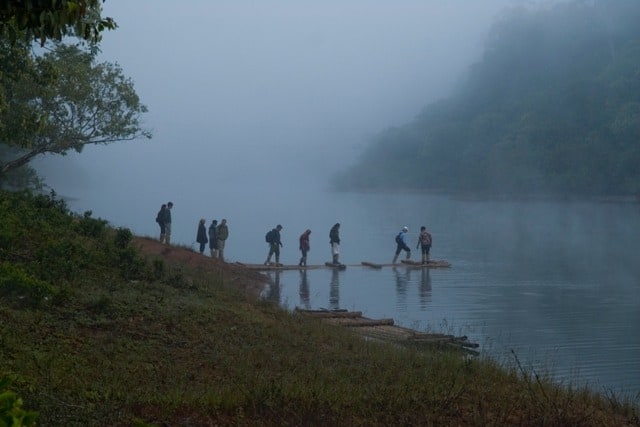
x: 62, y: 101
x: 53, y: 19
x: 553, y: 106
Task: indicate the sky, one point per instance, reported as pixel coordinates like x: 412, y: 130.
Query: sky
x: 256, y: 97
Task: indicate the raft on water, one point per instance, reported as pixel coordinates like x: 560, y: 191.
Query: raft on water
x: 428, y: 264
x: 386, y: 330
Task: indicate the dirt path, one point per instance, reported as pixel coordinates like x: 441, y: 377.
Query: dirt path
x: 248, y: 281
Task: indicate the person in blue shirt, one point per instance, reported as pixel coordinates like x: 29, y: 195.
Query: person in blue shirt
x: 401, y: 242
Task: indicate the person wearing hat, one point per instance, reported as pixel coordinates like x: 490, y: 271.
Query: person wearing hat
x: 273, y: 238
x: 401, y: 242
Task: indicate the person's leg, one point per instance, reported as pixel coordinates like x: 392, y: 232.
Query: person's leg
x: 221, y: 250
x: 395, y: 258
x: 269, y: 255
x: 167, y: 230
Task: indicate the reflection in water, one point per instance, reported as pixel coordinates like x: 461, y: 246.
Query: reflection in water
x: 425, y: 288
x: 272, y: 293
x: 304, y: 290
x: 334, y: 290
x: 402, y: 276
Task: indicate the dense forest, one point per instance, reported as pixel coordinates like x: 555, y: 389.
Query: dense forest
x: 552, y: 107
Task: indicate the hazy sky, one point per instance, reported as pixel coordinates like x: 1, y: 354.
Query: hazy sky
x: 299, y: 85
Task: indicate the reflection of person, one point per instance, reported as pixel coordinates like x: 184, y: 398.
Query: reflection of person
x: 213, y: 239
x: 401, y: 241
x: 334, y: 290
x: 305, y: 247
x: 160, y: 221
x: 273, y: 238
x: 201, y: 236
x: 424, y: 240
x: 334, y: 241
x: 167, y: 223
x: 222, y: 234
x: 304, y: 290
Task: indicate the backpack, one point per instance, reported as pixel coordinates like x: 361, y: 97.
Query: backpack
x: 269, y: 236
x: 399, y: 239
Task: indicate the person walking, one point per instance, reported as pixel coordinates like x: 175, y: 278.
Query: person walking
x: 213, y: 239
x: 401, y: 242
x: 424, y: 240
x: 305, y: 247
x: 222, y: 234
x: 273, y: 238
x: 167, y: 223
x: 201, y: 237
x: 334, y: 241
x: 160, y: 221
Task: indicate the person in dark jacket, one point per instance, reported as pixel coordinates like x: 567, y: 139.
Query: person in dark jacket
x: 202, y: 235
x: 334, y: 241
x: 273, y: 238
x: 213, y: 239
x: 160, y: 221
x: 305, y: 247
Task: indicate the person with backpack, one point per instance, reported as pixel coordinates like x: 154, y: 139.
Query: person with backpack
x: 305, y: 247
x: 334, y: 241
x: 201, y: 236
x: 160, y: 221
x: 213, y: 239
x: 222, y: 234
x: 401, y: 244
x: 273, y: 239
x: 424, y: 240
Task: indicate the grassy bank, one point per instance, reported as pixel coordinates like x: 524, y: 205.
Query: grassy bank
x: 102, y: 328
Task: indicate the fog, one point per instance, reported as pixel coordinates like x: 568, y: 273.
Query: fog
x: 263, y: 98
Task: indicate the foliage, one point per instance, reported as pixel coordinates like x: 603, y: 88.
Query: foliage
x: 62, y: 101
x: 11, y: 412
x: 552, y: 107
x: 53, y: 19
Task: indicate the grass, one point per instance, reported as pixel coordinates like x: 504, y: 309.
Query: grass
x: 105, y: 336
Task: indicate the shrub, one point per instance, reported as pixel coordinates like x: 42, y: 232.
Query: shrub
x: 15, y: 282
x: 11, y: 411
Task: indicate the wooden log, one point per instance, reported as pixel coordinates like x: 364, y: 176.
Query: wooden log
x: 336, y: 266
x: 335, y: 314
x: 363, y: 321
x: 371, y: 264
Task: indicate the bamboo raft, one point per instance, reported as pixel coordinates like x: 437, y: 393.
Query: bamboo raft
x: 386, y: 330
x: 404, y: 263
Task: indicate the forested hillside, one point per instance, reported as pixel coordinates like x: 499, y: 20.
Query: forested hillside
x: 552, y: 107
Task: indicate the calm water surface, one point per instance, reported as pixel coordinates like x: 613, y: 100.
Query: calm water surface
x: 556, y: 282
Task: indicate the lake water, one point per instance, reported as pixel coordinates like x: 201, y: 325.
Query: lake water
x: 558, y: 283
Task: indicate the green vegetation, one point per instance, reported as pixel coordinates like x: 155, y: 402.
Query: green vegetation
x: 53, y: 19
x: 60, y: 101
x: 553, y: 107
x: 95, y: 332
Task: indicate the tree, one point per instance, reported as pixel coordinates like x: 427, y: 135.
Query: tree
x: 53, y: 19
x: 62, y: 101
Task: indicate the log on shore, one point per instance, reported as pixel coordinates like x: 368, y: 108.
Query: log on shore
x: 327, y: 314
x: 361, y: 321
